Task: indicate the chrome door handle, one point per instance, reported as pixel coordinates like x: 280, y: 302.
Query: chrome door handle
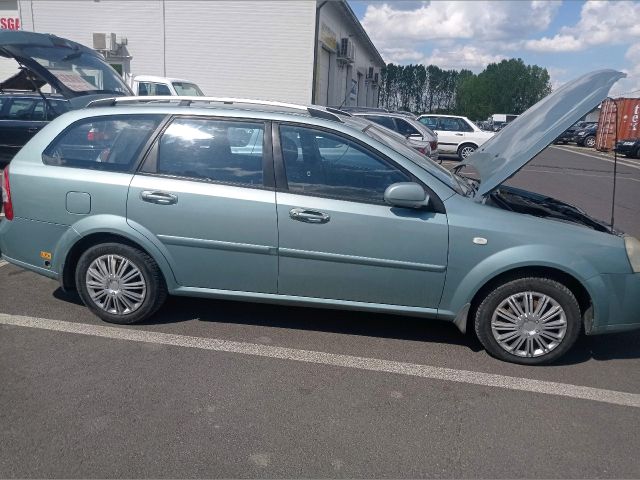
x: 308, y: 216
x: 161, y: 198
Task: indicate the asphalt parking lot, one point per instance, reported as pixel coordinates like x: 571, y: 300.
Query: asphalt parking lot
x: 224, y: 389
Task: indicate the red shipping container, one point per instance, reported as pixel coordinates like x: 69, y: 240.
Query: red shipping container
x: 627, y: 113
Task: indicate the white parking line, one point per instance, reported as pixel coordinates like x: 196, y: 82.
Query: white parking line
x: 3, y: 263
x: 621, y: 161
x: 332, y: 359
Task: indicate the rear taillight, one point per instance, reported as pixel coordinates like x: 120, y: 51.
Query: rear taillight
x: 433, y: 145
x: 6, y: 195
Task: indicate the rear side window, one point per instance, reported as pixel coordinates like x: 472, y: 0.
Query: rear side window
x: 431, y: 122
x: 212, y: 150
x: 102, y: 143
x: 148, y: 88
x: 21, y: 108
x: 405, y: 128
x: 381, y: 120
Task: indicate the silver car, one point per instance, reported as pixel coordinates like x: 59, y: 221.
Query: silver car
x: 421, y: 137
x: 128, y: 203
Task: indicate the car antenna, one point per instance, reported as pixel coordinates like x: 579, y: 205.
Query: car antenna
x: 615, y: 164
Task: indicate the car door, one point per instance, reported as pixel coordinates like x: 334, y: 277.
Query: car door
x: 211, y: 204
x: 449, y: 134
x: 337, y: 237
x: 22, y: 119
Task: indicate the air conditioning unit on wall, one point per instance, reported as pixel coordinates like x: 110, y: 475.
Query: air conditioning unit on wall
x: 346, y: 51
x: 105, y: 42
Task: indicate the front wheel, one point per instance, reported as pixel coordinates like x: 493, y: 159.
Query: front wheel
x: 119, y: 283
x: 528, y: 321
x: 465, y: 150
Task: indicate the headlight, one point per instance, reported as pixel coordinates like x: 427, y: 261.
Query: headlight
x: 632, y: 245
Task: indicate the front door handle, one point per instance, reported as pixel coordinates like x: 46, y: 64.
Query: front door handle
x: 33, y: 130
x: 459, y: 134
x: 308, y: 216
x: 161, y: 198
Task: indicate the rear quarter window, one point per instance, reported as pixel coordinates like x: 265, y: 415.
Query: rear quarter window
x: 110, y: 143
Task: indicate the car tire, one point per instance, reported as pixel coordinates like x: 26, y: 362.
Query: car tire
x: 520, y: 336
x: 119, y: 283
x: 589, y: 141
x: 638, y: 153
x: 465, y: 150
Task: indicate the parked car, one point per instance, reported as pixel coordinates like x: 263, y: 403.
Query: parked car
x: 456, y: 135
x: 47, y: 59
x: 353, y: 109
x: 569, y: 135
x: 333, y: 216
x: 22, y: 115
x: 629, y: 146
x: 147, y: 85
x: 586, y: 137
x: 420, y: 137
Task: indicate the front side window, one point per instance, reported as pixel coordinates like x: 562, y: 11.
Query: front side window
x: 212, y: 150
x: 188, y: 89
x: 320, y: 163
x: 102, y: 143
x: 161, y: 89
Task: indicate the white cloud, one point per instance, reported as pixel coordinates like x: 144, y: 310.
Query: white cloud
x: 401, y: 55
x: 467, y: 56
x: 630, y: 86
x: 480, y: 20
x: 558, y: 43
x: 601, y: 23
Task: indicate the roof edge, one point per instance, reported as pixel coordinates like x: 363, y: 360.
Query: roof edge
x: 354, y: 19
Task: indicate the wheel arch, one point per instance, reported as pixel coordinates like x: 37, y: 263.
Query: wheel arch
x: 576, y: 287
x: 108, y: 229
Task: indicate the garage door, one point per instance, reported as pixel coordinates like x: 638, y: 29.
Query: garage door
x: 324, y: 67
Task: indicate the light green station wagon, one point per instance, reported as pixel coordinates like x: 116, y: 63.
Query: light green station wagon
x: 128, y: 202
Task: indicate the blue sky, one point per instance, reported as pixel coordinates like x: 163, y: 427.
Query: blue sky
x: 567, y: 37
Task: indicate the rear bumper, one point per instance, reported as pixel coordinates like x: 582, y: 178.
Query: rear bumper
x: 625, y: 149
x: 616, y: 303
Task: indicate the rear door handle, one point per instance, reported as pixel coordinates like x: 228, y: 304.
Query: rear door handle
x: 308, y: 216
x: 33, y: 129
x: 459, y: 134
x: 161, y: 198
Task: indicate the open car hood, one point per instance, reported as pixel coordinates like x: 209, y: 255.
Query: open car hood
x: 72, y: 69
x: 514, y: 146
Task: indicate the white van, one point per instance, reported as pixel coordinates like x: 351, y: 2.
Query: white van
x: 144, y: 85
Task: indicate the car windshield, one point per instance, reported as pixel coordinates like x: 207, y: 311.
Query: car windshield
x: 187, y: 89
x: 439, y: 171
x: 79, y: 71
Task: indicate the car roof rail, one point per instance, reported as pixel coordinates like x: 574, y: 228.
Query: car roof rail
x: 186, y: 101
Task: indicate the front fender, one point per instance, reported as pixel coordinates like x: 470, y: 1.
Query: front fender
x: 463, y: 283
x: 115, y: 225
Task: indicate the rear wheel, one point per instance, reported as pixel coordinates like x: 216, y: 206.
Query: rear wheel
x: 590, y: 141
x: 465, y: 150
x: 119, y: 283
x: 528, y: 320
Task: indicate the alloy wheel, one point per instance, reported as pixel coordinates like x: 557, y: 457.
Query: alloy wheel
x: 115, y: 284
x: 466, y: 151
x: 529, y: 324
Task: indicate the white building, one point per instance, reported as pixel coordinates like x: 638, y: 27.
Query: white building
x: 297, y: 51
